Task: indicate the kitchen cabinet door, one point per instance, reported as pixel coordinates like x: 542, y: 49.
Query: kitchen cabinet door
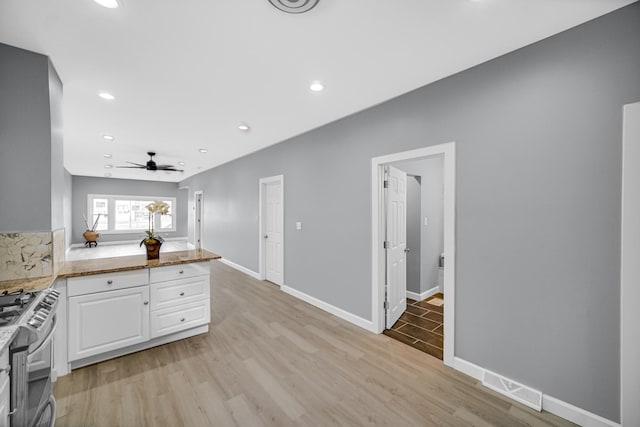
x: 107, y: 321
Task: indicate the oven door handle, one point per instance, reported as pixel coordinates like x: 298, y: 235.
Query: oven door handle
x: 47, y: 339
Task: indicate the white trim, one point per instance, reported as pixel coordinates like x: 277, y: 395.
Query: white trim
x: 197, y: 226
x: 240, y: 268
x: 377, y: 233
x: 468, y: 368
x: 574, y: 414
x: 424, y: 295
x: 111, y: 214
x: 338, y: 312
x: 549, y: 404
x: 629, y: 269
x: 261, y: 252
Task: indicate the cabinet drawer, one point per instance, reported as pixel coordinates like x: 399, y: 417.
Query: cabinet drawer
x: 173, y: 272
x: 179, y: 318
x: 106, y: 282
x: 175, y: 292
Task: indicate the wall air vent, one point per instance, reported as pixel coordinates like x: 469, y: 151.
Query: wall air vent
x: 294, y: 6
x: 513, y: 390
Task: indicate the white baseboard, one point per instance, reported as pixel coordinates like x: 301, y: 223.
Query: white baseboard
x: 574, y: 414
x: 424, y: 295
x: 240, y: 268
x: 549, y: 404
x: 338, y: 312
x: 474, y: 371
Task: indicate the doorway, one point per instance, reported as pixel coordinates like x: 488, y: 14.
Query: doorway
x: 421, y: 325
x: 380, y: 279
x: 271, y: 233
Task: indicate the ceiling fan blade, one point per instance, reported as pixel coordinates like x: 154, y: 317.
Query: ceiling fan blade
x: 169, y: 168
x: 137, y: 164
x: 132, y: 167
x: 164, y: 166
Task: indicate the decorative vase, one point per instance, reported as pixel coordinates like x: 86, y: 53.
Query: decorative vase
x: 91, y: 238
x: 153, y: 248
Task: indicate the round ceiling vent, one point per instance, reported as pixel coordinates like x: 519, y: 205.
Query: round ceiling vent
x: 294, y: 6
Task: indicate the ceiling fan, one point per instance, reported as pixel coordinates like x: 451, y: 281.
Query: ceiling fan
x: 152, y: 166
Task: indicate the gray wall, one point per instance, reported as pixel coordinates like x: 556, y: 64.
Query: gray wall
x: 414, y: 213
x: 431, y: 171
x: 25, y: 141
x: 84, y: 185
x: 57, y: 149
x: 538, y: 135
x: 67, y: 206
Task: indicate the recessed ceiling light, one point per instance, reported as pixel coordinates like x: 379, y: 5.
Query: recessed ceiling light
x: 243, y: 127
x: 316, y: 86
x: 181, y: 163
x: 108, y: 166
x: 106, y: 95
x: 203, y: 150
x: 109, y: 137
x: 109, y: 4
x: 106, y: 156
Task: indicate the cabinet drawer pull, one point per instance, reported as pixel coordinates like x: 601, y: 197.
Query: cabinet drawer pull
x: 146, y: 303
x: 181, y: 271
x: 182, y: 319
x: 181, y: 294
x: 109, y: 282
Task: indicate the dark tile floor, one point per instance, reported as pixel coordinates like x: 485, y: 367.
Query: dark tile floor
x: 421, y: 326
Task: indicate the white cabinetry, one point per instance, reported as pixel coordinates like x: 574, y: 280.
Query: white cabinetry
x: 112, y: 314
x: 4, y: 389
x: 106, y: 321
x: 177, y: 305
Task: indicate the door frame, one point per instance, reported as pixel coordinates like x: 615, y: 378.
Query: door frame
x: 629, y: 269
x: 198, y: 228
x: 262, y: 270
x: 448, y: 150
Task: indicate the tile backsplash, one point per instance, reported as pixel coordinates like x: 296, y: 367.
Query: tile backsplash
x: 29, y: 254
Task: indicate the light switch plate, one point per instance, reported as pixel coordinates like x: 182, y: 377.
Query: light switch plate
x: 426, y: 221
x: 299, y: 225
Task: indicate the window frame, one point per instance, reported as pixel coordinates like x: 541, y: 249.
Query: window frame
x: 111, y: 209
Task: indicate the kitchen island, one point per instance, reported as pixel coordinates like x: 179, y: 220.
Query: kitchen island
x: 114, y: 306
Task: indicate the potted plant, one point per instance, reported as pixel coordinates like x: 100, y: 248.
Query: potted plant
x: 153, y: 241
x: 90, y: 235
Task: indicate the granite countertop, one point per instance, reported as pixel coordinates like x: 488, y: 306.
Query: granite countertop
x: 133, y: 262
x: 109, y: 265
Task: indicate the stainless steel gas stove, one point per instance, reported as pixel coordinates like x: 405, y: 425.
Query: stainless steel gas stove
x: 30, y: 352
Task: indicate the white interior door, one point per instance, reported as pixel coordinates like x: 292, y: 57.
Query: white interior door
x: 272, y: 232
x: 396, y: 279
x: 197, y: 241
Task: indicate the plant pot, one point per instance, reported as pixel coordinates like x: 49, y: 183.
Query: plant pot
x: 91, y: 237
x: 153, y: 248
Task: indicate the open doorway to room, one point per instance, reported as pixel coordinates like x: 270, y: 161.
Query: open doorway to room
x: 413, y: 229
x: 422, y: 323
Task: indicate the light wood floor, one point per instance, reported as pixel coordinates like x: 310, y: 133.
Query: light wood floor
x: 270, y: 359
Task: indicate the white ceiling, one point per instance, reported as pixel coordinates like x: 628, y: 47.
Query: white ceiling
x: 186, y: 73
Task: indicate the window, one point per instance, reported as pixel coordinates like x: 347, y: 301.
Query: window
x: 127, y: 214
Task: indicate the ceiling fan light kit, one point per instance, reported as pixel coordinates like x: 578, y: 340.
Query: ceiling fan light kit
x: 294, y: 6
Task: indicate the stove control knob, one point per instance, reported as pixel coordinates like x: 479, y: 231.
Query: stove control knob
x: 50, y: 299
x: 54, y: 292
x: 35, y: 323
